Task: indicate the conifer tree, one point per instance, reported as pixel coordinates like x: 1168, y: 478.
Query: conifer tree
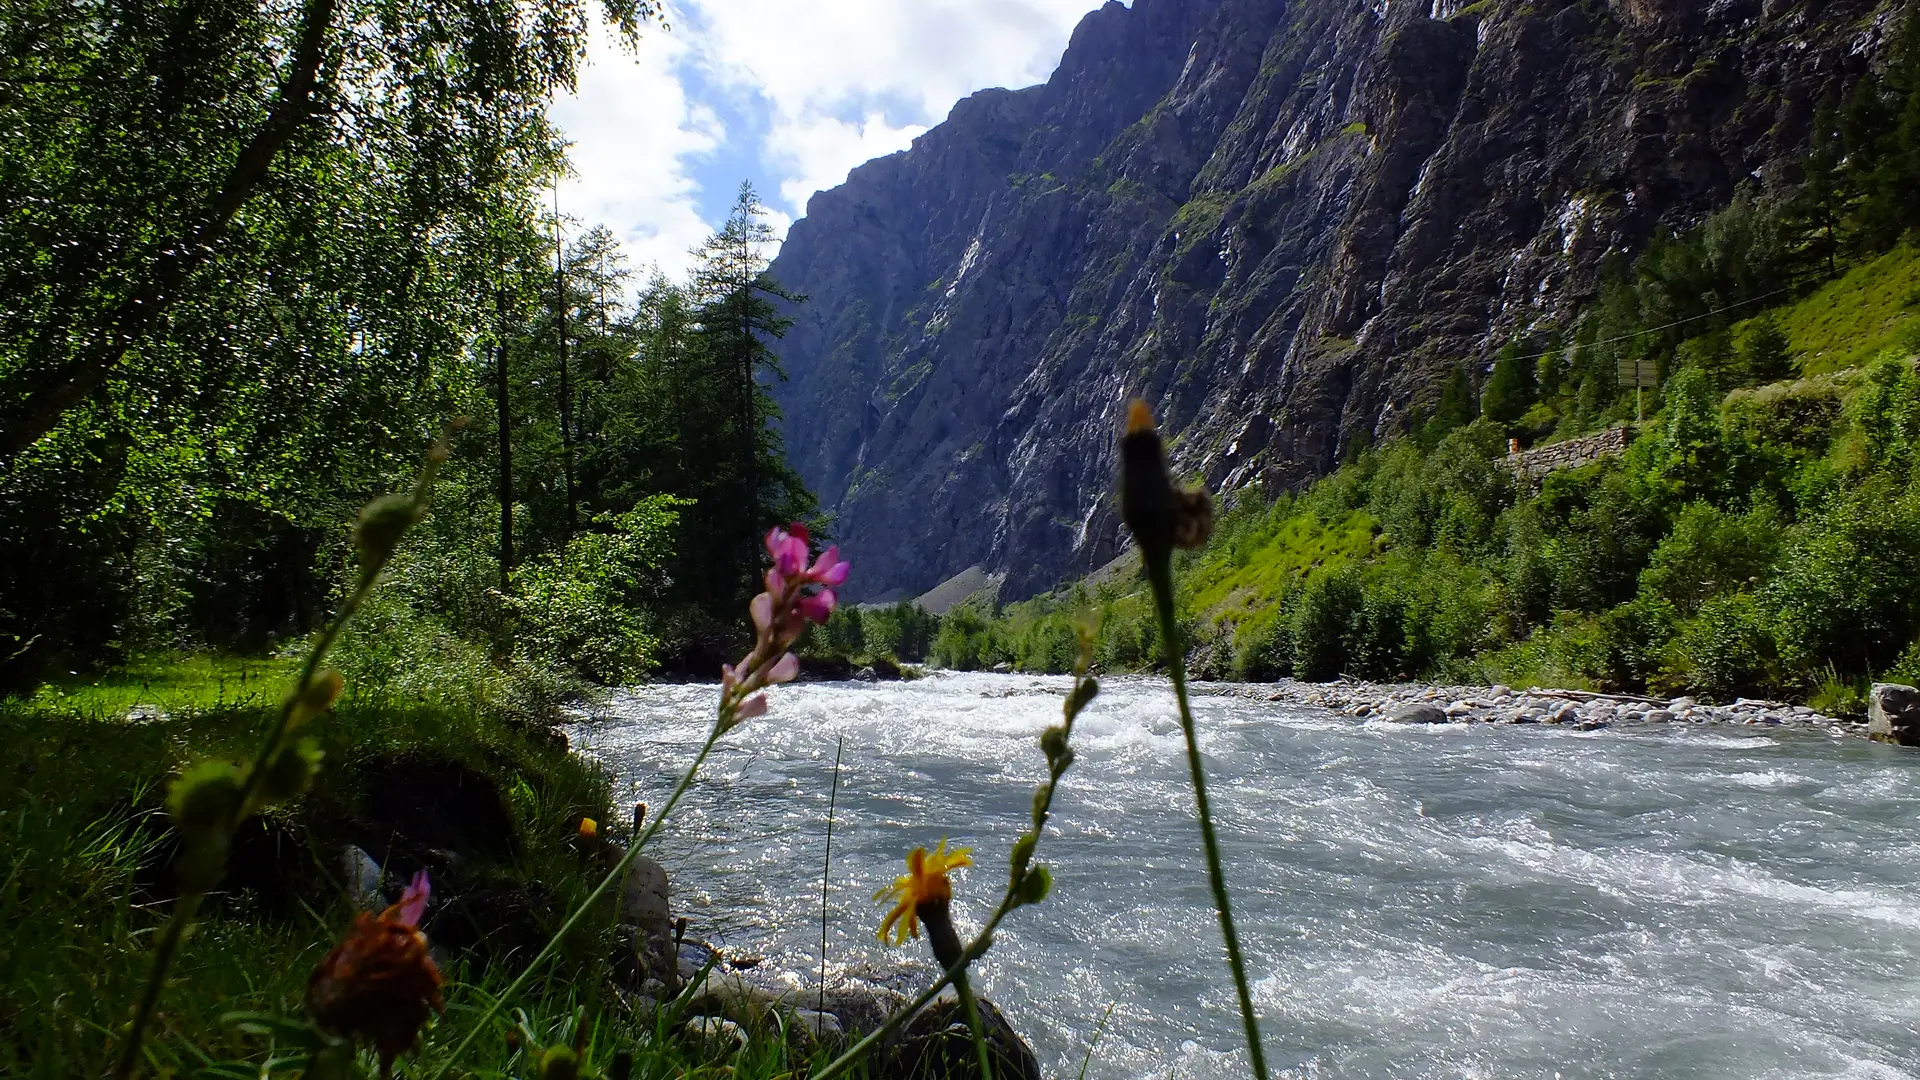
x: 1510, y: 389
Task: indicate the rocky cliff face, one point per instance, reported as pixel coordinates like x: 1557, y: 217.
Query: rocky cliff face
x: 1280, y: 221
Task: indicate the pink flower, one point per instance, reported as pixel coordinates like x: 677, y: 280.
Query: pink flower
x: 816, y: 606
x: 796, y: 595
x: 829, y: 569
x: 413, y: 902
x: 788, y: 547
x: 785, y: 670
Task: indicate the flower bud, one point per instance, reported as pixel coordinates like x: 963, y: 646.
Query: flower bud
x: 316, y: 697
x: 289, y: 773
x: 1160, y: 517
x: 589, y: 829
x: 1083, y: 694
x: 559, y: 1063
x: 1023, y: 853
x: 1035, y: 886
x: 205, y: 799
x: 1054, y: 742
x: 382, y: 523
x: 1042, y: 796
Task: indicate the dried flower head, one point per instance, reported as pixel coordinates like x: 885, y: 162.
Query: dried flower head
x: 379, y: 985
x: 1160, y: 516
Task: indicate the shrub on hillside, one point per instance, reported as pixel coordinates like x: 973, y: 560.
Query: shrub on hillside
x: 1725, y: 651
x: 1710, y: 552
x: 1844, y: 592
x: 1263, y: 646
x: 1324, y: 623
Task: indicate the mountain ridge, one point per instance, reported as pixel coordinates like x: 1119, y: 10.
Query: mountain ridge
x: 1280, y: 221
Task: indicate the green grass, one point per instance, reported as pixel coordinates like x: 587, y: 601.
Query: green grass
x: 1852, y: 319
x: 168, y: 682
x: 1240, y: 576
x: 83, y: 841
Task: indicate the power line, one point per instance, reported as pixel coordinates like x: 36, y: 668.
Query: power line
x: 1665, y: 326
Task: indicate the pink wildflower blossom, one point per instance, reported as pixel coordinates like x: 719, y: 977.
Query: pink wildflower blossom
x: 796, y: 595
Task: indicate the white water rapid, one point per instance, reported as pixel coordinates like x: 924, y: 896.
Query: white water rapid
x: 1446, y: 901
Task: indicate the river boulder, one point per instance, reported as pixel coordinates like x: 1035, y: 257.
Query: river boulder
x: 645, y: 913
x: 936, y: 1044
x: 1417, y: 713
x: 1893, y: 714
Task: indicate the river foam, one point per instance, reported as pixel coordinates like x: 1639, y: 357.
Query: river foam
x: 1455, y: 901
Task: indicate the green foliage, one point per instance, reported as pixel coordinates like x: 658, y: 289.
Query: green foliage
x: 1511, y: 387
x: 1710, y: 552
x: 586, y: 607
x: 1843, y: 589
x: 1458, y: 407
x: 1764, y: 351
x: 1724, y: 651
x: 964, y: 641
x: 904, y: 631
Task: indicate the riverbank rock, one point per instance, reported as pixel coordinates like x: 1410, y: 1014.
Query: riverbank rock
x: 937, y: 1044
x: 1417, y: 713
x: 644, y: 911
x: 1893, y: 714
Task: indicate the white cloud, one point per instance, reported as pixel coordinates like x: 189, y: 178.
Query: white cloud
x: 820, y: 150
x: 837, y: 83
x: 849, y: 80
x: 635, y: 135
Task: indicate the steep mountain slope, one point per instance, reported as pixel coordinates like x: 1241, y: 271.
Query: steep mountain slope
x: 1280, y: 221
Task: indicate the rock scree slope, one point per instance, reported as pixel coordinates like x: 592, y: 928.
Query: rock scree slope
x: 1281, y: 222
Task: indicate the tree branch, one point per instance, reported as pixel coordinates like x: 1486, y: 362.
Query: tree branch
x: 130, y: 319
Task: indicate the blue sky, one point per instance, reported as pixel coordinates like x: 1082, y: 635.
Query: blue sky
x: 789, y: 94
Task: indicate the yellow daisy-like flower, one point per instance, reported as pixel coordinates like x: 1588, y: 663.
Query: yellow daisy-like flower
x: 925, y: 880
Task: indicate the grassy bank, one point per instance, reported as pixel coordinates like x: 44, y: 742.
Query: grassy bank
x: 87, y: 847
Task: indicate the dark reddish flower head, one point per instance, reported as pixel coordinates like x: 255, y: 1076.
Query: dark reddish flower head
x: 379, y: 985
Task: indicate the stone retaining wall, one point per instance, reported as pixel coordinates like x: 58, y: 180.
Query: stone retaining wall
x: 1538, y: 462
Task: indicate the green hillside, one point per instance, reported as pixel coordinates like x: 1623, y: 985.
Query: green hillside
x: 1754, y: 538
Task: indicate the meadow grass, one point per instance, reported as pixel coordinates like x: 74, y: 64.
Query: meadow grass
x: 1853, y: 318
x: 85, y: 841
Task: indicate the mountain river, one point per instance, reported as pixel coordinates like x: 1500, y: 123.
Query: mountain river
x: 1447, y: 901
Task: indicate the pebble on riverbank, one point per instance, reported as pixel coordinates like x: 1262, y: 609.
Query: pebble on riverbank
x: 1419, y: 703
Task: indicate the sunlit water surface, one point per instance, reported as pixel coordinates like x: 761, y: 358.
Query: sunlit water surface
x: 1456, y: 901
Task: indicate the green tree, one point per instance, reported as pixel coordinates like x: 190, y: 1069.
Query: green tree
x: 136, y: 136
x: 1510, y: 389
x: 1764, y: 351
x: 1458, y: 407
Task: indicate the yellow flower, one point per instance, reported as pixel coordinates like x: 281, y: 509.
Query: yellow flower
x: 589, y: 828
x: 925, y: 882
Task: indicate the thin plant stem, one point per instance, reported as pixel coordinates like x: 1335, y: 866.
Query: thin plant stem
x: 579, y: 912
x: 1084, y: 689
x: 964, y: 988
x: 826, y: 866
x: 163, y: 952
x: 188, y: 904
x: 1160, y: 575
x: 1098, y: 1031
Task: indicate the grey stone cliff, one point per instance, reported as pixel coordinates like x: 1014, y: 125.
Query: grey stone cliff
x: 1279, y: 221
